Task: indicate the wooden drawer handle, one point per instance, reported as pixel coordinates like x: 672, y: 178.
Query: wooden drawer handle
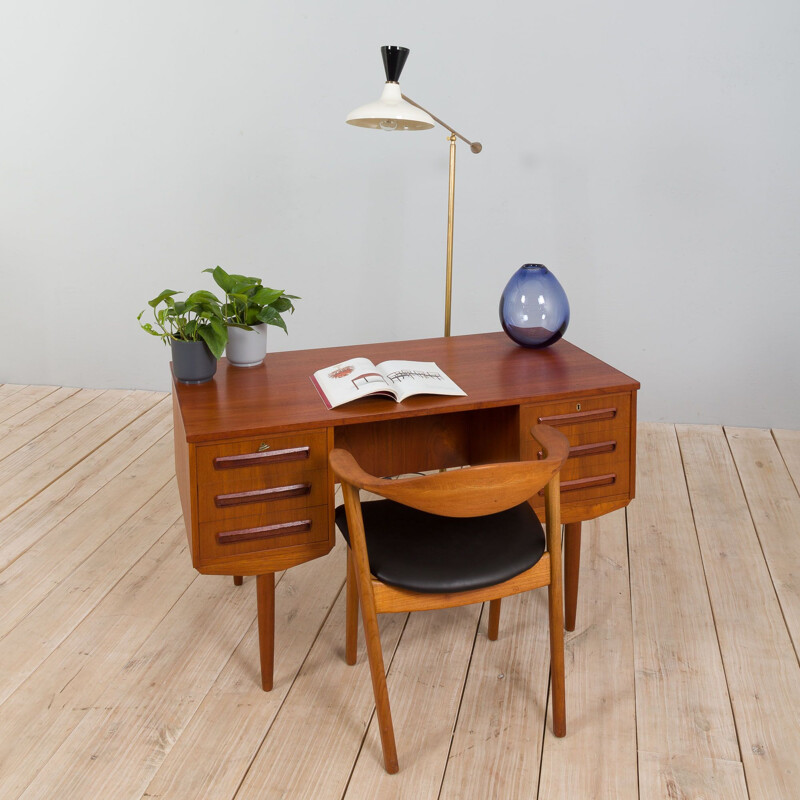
x: 262, y: 495
x: 585, y: 483
x: 588, y: 449
x: 579, y: 416
x: 267, y: 457
x: 264, y: 532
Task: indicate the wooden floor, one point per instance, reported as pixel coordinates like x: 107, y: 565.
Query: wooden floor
x: 124, y: 674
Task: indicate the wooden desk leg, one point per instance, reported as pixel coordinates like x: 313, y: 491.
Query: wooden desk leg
x: 238, y: 580
x: 572, y: 565
x: 265, y: 592
x: 494, y: 619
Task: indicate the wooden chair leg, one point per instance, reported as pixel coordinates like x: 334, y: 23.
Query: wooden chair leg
x: 555, y: 605
x: 369, y: 618
x: 351, y: 612
x: 494, y: 619
x: 378, y: 673
x: 238, y: 580
x: 265, y: 593
x: 572, y: 565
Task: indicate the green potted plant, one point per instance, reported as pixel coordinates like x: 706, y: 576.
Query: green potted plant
x: 248, y: 308
x: 195, y: 329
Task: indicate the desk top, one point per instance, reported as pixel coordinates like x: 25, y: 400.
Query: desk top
x: 279, y: 396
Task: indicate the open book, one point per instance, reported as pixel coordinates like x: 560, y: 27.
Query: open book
x: 359, y: 377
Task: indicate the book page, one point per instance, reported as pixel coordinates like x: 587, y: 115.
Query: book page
x: 349, y: 380
x: 408, y: 378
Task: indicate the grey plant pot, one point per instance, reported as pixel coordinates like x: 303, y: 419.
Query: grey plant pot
x: 192, y: 362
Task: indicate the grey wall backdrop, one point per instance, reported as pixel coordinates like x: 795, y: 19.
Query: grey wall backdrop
x: 647, y: 153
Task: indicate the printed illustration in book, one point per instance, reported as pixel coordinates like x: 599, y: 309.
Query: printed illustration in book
x: 359, y: 377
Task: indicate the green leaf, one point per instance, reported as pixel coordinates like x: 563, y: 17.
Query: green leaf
x: 166, y: 295
x: 265, y: 296
x: 220, y: 329
x: 215, y: 339
x: 221, y: 278
x: 146, y: 326
x: 269, y: 315
x: 245, y: 288
x: 283, y: 304
x: 202, y: 296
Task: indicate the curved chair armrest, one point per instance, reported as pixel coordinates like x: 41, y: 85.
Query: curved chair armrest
x: 348, y: 470
x: 554, y: 444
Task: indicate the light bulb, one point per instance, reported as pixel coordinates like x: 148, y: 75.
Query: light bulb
x: 388, y: 125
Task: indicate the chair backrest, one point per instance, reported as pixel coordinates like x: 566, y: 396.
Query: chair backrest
x: 468, y: 492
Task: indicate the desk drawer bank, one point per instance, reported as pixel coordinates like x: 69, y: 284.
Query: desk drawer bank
x: 251, y: 446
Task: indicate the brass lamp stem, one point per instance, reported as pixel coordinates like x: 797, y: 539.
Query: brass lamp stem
x: 451, y: 199
x: 476, y: 147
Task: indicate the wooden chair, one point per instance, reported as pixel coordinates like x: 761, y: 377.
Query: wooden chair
x: 451, y: 539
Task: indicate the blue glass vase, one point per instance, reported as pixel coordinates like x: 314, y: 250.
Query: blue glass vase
x: 534, y: 309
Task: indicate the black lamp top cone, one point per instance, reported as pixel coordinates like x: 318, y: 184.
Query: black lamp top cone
x: 394, y: 59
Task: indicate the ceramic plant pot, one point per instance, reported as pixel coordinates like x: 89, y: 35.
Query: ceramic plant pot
x: 192, y: 362
x: 247, y: 348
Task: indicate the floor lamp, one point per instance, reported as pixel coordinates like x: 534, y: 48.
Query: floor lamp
x: 393, y: 111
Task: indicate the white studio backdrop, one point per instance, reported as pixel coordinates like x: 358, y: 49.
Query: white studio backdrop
x: 646, y: 153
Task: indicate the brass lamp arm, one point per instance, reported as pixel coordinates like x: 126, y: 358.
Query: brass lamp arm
x: 476, y: 147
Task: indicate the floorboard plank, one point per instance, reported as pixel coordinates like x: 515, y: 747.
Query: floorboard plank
x: 17, y: 398
x: 600, y: 745
x: 31, y: 522
x: 32, y: 468
x: 36, y: 418
x: 29, y: 579
x: 7, y: 389
x: 685, y: 778
x: 45, y: 709
x: 41, y: 432
x: 313, y: 743
x: 789, y: 444
x: 497, y: 744
x: 426, y: 683
x: 683, y: 707
x: 214, y: 753
x: 41, y: 631
x: 760, y: 663
x: 775, y: 509
x: 121, y: 741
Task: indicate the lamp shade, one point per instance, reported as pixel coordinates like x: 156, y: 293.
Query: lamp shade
x: 391, y: 113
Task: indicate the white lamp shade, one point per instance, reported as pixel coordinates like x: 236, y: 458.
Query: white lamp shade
x: 391, y: 113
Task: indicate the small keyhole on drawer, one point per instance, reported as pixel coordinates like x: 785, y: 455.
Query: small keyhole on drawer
x: 577, y: 406
x: 262, y: 447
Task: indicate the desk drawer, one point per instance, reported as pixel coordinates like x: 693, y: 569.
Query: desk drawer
x: 598, y: 429
x: 245, y: 460
x: 278, y: 489
x: 263, y: 532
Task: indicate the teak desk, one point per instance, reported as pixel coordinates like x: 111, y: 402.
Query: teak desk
x: 251, y: 447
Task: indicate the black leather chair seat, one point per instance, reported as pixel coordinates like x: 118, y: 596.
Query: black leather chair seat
x: 424, y: 552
